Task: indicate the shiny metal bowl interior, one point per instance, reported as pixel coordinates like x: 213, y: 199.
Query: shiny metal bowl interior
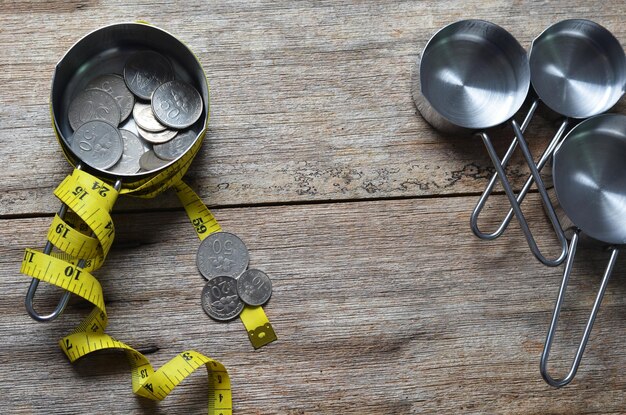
x: 589, y: 172
x: 105, y: 51
x: 578, y: 68
x: 475, y: 74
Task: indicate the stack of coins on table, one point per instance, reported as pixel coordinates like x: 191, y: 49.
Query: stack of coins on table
x: 106, y: 136
x: 223, y: 261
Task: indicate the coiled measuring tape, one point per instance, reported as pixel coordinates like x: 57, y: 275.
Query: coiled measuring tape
x: 90, y: 200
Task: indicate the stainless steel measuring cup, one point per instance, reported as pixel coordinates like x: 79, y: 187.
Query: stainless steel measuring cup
x: 104, y: 51
x: 578, y: 70
x: 473, y: 75
x: 589, y: 173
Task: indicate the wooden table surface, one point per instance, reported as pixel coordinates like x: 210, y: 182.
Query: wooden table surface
x: 384, y: 302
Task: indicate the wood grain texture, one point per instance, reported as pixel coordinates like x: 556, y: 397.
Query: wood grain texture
x: 380, y: 307
x: 310, y: 100
x: 383, y: 300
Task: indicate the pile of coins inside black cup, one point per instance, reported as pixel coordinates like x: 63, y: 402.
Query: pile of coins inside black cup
x: 136, y: 121
x: 223, y: 261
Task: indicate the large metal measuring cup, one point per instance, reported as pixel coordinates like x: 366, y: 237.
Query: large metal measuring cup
x: 578, y: 70
x: 589, y: 173
x: 473, y: 75
x: 105, y: 51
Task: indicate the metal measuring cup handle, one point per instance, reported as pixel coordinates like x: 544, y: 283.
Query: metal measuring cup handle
x: 34, y: 283
x: 515, y: 204
x: 545, y: 157
x: 543, y: 366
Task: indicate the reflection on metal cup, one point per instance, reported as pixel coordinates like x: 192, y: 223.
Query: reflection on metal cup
x: 472, y: 74
x: 578, y: 68
x: 589, y: 176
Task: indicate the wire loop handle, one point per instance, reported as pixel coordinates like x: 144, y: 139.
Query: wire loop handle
x: 34, y: 283
x: 543, y: 366
x: 545, y: 157
x: 515, y: 205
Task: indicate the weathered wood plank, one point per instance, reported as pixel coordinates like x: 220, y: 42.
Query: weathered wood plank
x: 310, y: 100
x: 380, y: 307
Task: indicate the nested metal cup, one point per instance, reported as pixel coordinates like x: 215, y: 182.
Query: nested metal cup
x: 589, y: 173
x: 105, y: 51
x: 473, y: 75
x: 578, y: 70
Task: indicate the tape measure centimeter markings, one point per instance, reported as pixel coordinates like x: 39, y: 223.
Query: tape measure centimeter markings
x: 200, y: 216
x: 147, y: 382
x: 63, y: 274
x: 60, y: 268
x: 71, y: 241
x: 91, y: 205
x: 258, y: 326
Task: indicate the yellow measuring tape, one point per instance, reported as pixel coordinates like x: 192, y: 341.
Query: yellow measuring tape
x: 260, y: 331
x: 90, y: 200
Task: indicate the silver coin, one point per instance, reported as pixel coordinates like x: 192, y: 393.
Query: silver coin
x: 222, y: 253
x: 93, y: 105
x: 254, y: 287
x: 98, y: 144
x: 220, y: 300
x: 157, y: 138
x: 144, y: 118
x: 177, y: 104
x: 115, y: 86
x: 175, y: 147
x: 144, y: 71
x: 149, y: 161
x: 133, y: 149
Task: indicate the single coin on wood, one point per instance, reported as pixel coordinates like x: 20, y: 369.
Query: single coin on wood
x: 254, y: 287
x: 220, y: 300
x: 222, y: 253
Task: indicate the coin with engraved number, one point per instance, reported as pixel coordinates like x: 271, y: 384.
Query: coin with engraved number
x: 144, y: 118
x: 133, y: 149
x: 149, y: 161
x: 115, y: 86
x: 254, y: 287
x: 157, y: 138
x: 220, y: 300
x: 93, y: 105
x: 98, y: 143
x: 222, y: 253
x: 175, y: 147
x: 144, y: 71
x: 177, y: 104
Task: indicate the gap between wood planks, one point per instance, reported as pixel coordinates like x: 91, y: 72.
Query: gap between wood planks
x: 272, y: 204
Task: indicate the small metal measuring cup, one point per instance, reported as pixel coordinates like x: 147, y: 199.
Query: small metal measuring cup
x: 589, y: 173
x: 578, y: 70
x: 104, y: 51
x: 473, y: 75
